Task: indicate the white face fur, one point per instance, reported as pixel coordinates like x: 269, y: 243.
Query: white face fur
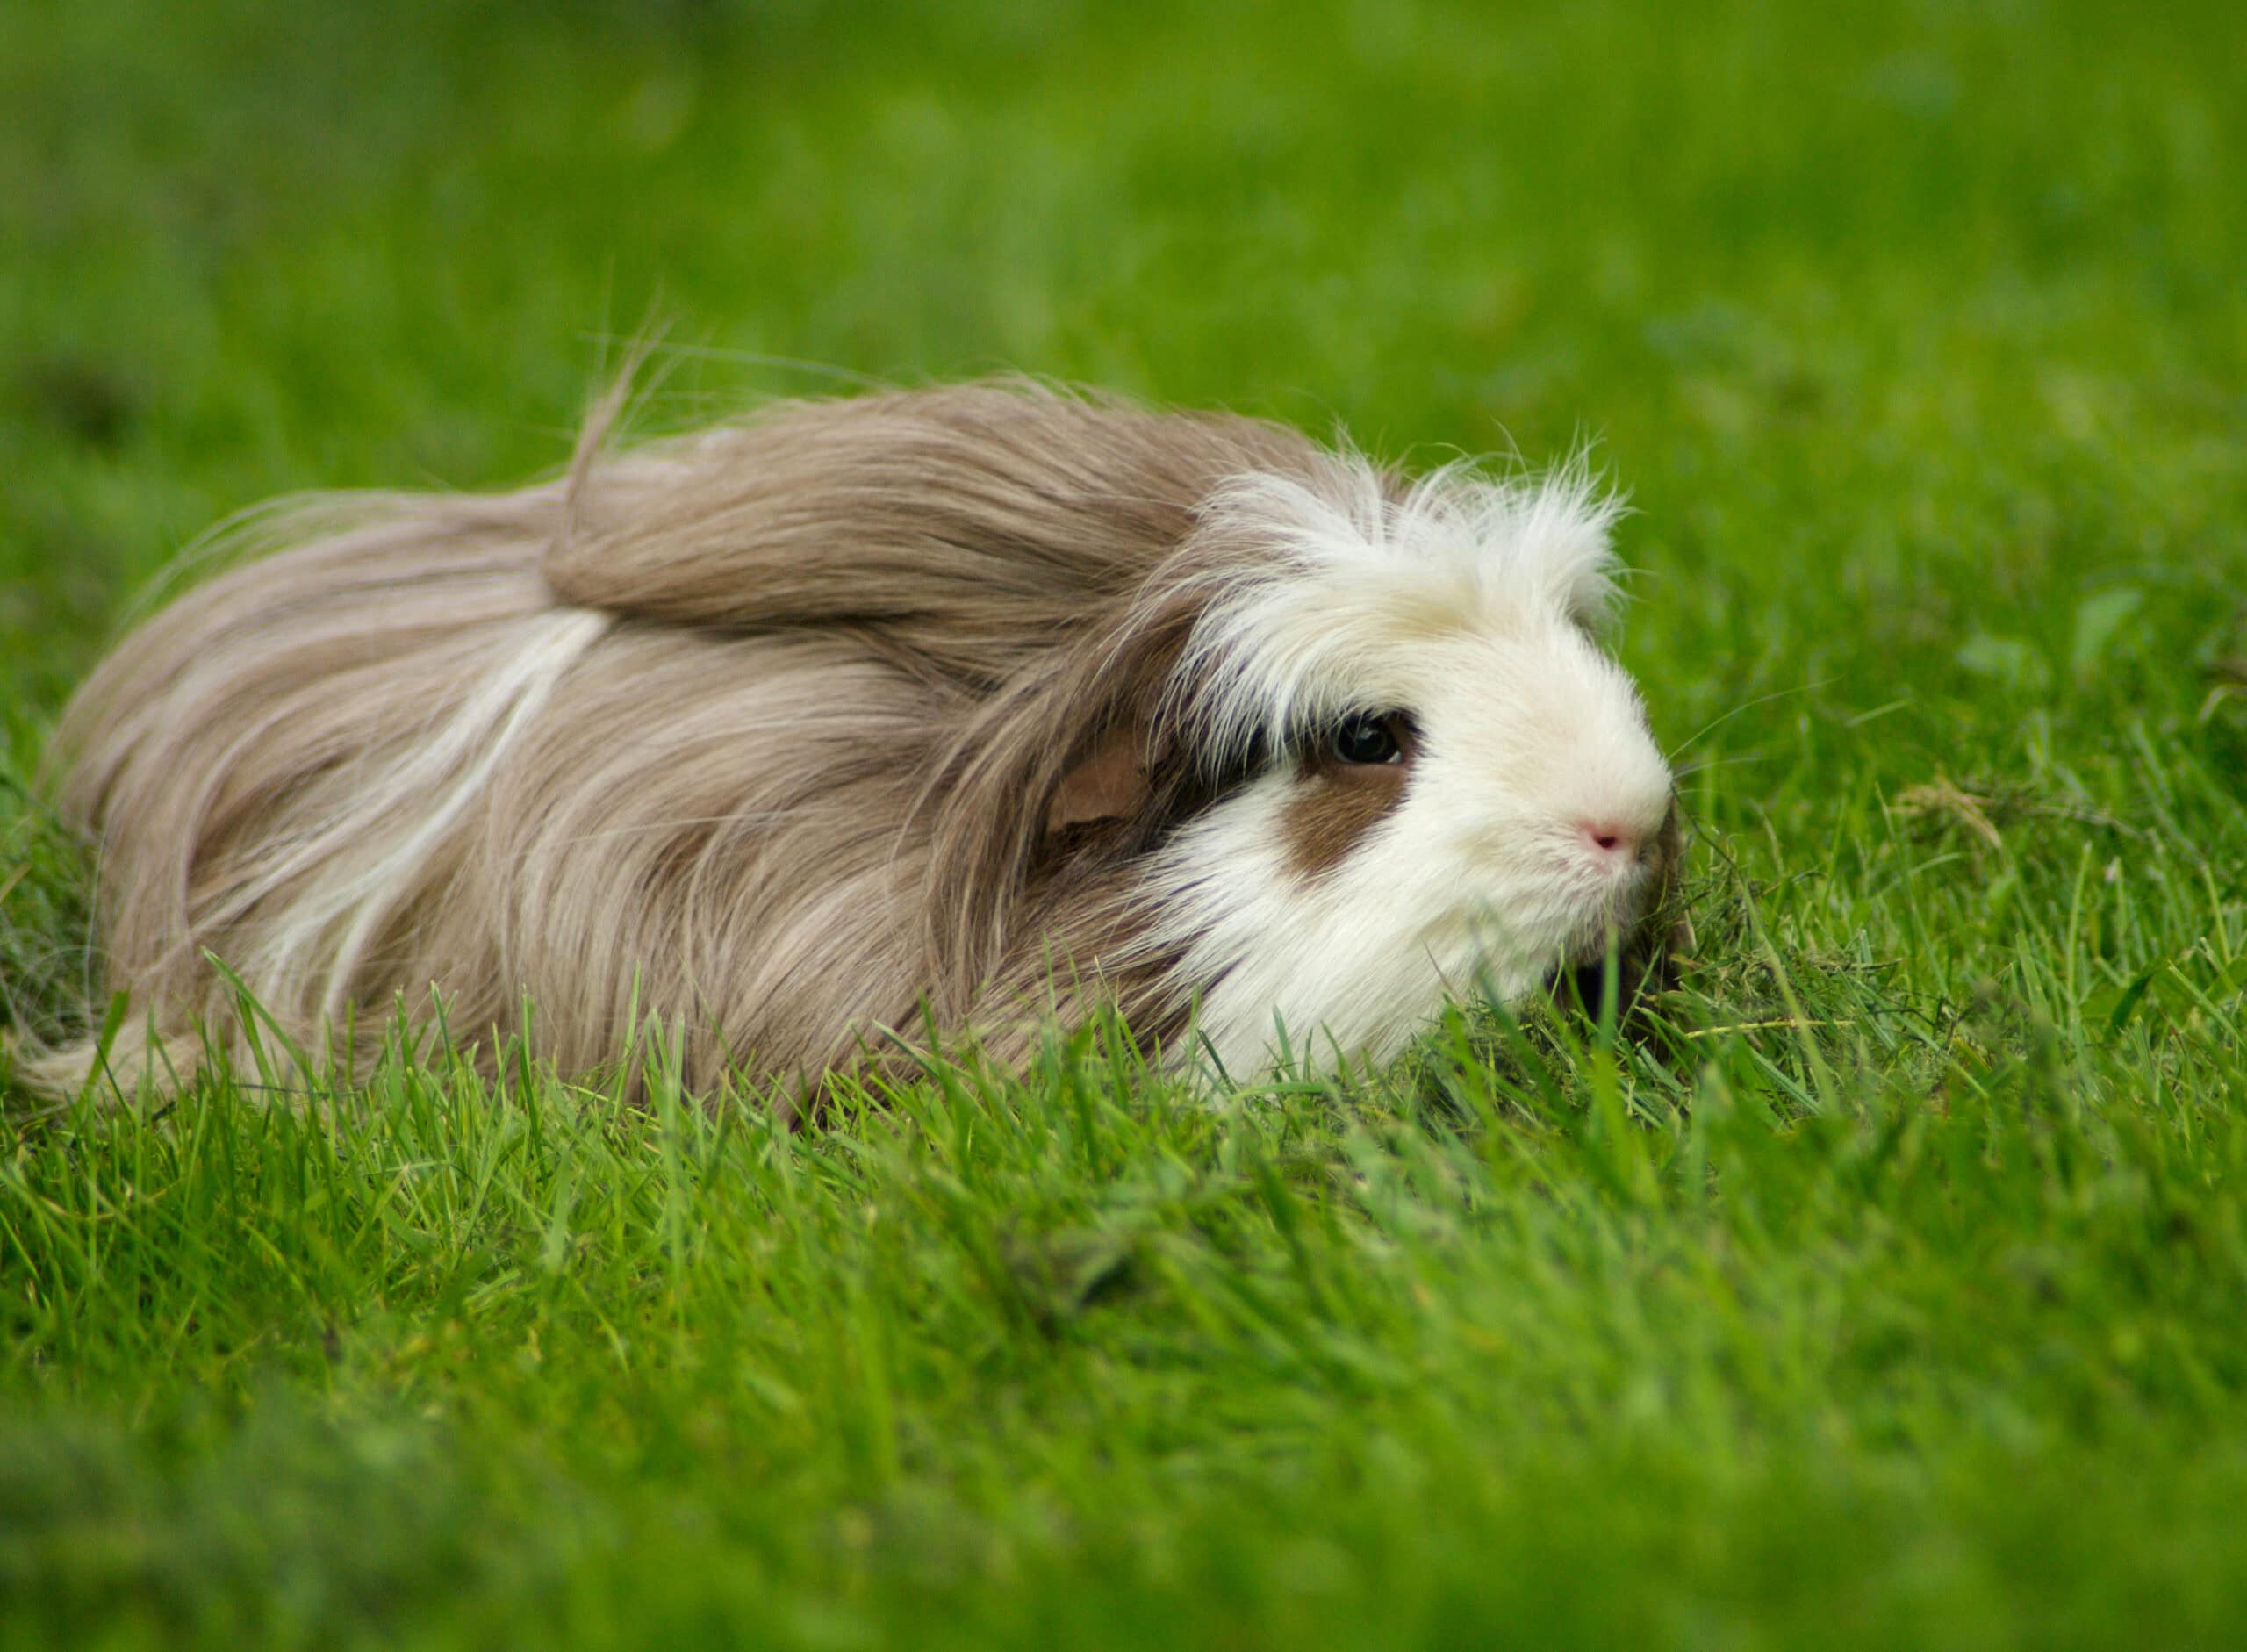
x: 1521, y: 824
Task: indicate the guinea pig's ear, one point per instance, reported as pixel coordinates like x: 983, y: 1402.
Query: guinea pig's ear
x: 1109, y: 783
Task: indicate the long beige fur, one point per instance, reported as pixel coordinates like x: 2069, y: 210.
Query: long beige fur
x: 758, y: 733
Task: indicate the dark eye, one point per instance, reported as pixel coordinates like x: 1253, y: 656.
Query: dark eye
x: 1367, y: 739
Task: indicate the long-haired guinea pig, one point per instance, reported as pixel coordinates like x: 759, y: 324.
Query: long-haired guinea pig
x: 936, y: 706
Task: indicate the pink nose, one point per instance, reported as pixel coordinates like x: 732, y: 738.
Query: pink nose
x: 1609, y: 837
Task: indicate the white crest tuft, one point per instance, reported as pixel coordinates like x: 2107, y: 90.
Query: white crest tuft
x: 1352, y: 572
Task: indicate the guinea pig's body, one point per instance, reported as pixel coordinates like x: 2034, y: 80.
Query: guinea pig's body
x: 959, y: 702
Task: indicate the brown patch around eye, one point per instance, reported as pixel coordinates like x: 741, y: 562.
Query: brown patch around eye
x: 1337, y: 802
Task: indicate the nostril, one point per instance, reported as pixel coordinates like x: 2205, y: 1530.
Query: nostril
x: 1609, y: 837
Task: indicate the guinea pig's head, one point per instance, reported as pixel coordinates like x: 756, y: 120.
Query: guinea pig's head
x: 1419, y: 771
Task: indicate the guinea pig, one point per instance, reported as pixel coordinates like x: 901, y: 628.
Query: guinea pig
x: 930, y: 707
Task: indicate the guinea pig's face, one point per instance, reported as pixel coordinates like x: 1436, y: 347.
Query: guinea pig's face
x: 1458, y: 788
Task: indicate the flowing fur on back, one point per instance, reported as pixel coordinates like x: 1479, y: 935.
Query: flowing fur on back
x: 758, y: 731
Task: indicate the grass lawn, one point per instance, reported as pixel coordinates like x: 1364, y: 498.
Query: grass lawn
x: 1899, y: 1297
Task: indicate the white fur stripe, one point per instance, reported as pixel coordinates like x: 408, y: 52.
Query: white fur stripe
x: 361, y: 881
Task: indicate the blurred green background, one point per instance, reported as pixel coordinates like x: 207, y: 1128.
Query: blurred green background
x: 1881, y: 311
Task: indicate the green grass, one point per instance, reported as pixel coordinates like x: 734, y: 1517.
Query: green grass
x: 1896, y: 1299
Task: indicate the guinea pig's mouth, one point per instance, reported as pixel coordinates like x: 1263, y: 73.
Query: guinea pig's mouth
x: 1587, y: 984
x: 1643, y: 965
